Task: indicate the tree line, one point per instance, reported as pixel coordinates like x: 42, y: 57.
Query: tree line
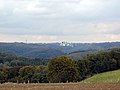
x: 9, y: 60
x: 63, y: 69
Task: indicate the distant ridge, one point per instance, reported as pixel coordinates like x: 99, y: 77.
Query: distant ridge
x: 51, y: 50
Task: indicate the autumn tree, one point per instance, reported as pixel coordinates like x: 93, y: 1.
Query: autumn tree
x: 62, y: 69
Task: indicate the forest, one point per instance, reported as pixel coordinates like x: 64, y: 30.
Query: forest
x: 56, y: 70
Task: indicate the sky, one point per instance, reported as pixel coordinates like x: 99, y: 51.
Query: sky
x: 47, y: 21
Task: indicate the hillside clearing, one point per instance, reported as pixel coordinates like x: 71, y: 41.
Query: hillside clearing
x: 107, y: 77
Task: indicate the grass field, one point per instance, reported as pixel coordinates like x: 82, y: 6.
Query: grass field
x: 60, y: 86
x: 107, y: 77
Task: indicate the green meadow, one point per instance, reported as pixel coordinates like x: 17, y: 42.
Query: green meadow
x: 107, y: 77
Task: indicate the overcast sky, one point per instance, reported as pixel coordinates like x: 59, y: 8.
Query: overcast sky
x: 59, y: 20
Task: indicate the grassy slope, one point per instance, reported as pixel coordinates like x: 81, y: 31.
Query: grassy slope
x: 107, y: 77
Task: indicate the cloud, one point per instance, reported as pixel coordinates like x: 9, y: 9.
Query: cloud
x: 108, y: 27
x: 29, y: 38
x: 49, y: 39
x: 1, y: 4
x: 61, y: 27
x: 61, y: 18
